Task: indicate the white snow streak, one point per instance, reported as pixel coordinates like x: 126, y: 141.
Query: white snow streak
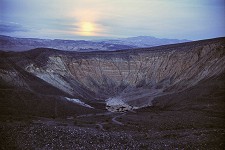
x: 79, y: 102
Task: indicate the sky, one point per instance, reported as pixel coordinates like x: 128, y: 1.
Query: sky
x: 103, y: 19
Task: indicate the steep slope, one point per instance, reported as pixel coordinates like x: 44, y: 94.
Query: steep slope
x: 124, y: 80
x: 22, y: 93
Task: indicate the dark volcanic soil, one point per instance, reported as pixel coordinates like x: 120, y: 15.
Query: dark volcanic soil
x: 143, y: 130
x: 173, y: 123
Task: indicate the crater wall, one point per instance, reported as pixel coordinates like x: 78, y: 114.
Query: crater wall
x: 128, y: 79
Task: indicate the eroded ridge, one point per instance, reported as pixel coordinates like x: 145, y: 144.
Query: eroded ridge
x: 124, y: 80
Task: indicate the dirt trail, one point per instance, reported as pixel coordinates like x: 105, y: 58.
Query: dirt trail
x: 118, y: 122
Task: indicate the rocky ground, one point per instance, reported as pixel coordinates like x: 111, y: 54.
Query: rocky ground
x: 191, y: 119
x: 140, y: 130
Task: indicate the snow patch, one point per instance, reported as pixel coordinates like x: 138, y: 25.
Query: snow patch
x: 79, y: 102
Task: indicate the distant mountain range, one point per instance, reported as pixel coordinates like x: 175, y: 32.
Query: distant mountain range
x: 144, y: 41
x: 8, y: 43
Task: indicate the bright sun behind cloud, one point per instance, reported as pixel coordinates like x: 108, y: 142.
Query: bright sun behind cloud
x: 86, y: 29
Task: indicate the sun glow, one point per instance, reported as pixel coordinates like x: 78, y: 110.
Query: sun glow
x: 86, y: 29
x: 87, y: 22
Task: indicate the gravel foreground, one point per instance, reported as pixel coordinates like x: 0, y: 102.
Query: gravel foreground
x: 44, y: 137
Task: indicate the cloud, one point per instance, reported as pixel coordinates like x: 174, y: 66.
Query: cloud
x: 186, y: 19
x: 12, y: 27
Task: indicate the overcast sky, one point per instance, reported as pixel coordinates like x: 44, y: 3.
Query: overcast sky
x: 100, y: 19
